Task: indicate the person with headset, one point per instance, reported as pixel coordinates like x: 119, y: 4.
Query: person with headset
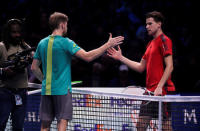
x: 13, y: 83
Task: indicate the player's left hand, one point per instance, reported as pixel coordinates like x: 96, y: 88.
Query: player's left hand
x: 158, y: 91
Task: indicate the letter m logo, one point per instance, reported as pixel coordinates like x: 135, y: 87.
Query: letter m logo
x: 189, y: 116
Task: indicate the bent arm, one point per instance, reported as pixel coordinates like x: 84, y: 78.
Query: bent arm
x: 35, y: 67
x: 93, y: 54
x: 117, y: 54
x: 137, y: 66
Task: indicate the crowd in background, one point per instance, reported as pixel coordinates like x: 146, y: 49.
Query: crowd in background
x: 90, y: 22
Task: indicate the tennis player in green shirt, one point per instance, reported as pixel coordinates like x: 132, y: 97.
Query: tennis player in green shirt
x: 54, y: 53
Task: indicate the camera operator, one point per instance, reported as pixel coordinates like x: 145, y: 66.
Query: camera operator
x: 13, y: 82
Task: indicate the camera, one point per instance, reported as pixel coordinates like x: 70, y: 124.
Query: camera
x: 18, y: 61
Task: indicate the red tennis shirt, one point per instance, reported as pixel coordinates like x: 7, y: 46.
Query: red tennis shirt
x: 156, y: 50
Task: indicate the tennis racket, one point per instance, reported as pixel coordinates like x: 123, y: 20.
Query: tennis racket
x: 137, y: 90
x: 38, y: 86
x: 76, y: 82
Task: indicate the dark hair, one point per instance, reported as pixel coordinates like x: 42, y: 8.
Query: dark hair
x: 55, y: 19
x: 157, y: 16
x: 6, y: 38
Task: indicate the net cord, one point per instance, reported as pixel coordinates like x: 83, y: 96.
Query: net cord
x: 139, y: 97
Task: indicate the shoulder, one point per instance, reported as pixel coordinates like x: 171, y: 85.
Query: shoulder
x: 44, y: 39
x: 164, y: 38
x: 66, y: 39
x: 2, y: 45
x: 3, y: 51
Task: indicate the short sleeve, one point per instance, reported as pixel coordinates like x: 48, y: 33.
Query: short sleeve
x: 166, y: 47
x: 72, y: 47
x: 144, y: 56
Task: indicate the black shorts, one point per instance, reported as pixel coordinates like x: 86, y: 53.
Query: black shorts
x: 59, y: 106
x: 151, y: 109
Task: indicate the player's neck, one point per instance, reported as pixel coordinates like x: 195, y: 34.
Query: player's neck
x: 158, y: 33
x: 57, y: 32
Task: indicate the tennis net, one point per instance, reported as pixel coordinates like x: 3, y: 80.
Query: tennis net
x: 107, y: 109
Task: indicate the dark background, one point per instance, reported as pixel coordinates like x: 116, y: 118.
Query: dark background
x: 90, y: 21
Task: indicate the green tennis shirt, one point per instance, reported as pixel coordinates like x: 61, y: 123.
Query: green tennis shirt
x: 55, y: 53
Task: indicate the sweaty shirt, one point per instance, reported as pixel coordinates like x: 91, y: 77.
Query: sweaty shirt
x: 56, y: 64
x: 157, y: 49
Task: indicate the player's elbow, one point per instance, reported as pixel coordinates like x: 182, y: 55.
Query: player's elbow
x: 33, y: 67
x: 88, y: 57
x: 140, y: 70
x: 84, y: 56
x: 171, y: 68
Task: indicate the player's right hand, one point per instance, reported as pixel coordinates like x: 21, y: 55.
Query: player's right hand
x: 116, y: 54
x: 113, y: 41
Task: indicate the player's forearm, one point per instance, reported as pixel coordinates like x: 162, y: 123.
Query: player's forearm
x: 132, y: 64
x: 36, y: 69
x: 38, y: 74
x: 93, y: 54
x: 167, y: 72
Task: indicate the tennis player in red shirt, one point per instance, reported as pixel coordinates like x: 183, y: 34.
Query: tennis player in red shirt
x: 158, y: 63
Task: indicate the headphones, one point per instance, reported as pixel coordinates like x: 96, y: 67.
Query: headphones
x: 14, y: 21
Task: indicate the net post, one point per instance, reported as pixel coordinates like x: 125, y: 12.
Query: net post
x: 160, y: 116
